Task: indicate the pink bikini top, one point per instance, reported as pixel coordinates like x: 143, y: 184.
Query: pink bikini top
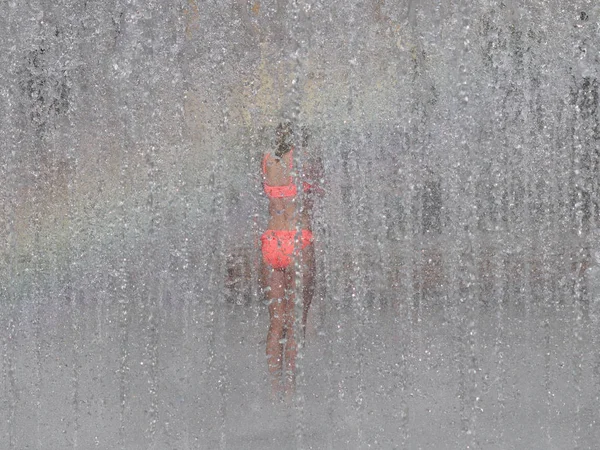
x: 287, y: 190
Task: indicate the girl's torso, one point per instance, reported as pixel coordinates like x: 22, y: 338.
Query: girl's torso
x: 280, y: 186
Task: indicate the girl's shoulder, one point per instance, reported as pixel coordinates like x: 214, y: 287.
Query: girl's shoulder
x: 268, y: 160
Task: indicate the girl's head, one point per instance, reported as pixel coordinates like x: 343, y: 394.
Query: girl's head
x: 283, y: 139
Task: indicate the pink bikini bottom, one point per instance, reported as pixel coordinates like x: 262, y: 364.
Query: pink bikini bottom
x: 278, y: 246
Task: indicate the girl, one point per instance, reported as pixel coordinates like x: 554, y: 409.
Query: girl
x: 287, y: 238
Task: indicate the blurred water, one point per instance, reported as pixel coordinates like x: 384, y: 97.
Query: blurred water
x: 458, y: 285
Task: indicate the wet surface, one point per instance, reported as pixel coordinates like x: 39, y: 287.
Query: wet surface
x: 458, y: 264
x: 172, y: 369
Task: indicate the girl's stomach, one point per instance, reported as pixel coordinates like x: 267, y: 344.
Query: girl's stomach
x: 285, y: 217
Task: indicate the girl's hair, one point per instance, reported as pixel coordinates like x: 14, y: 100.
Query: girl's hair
x: 305, y: 135
x: 283, y: 139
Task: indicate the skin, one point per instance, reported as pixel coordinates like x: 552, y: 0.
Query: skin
x: 280, y: 284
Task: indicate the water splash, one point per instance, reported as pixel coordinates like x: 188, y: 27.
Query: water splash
x: 455, y: 245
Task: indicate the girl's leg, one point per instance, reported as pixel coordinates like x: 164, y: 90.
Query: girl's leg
x: 290, y: 340
x: 308, y: 281
x: 275, y: 284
